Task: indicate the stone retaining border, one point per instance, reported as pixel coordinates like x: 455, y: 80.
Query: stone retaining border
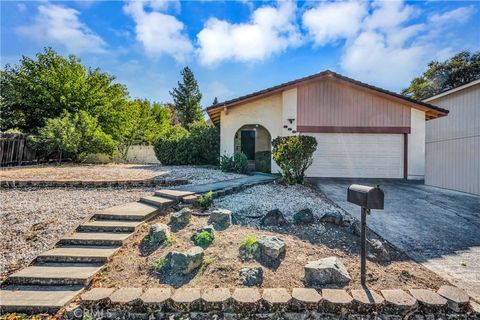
x: 156, y: 181
x: 277, y: 303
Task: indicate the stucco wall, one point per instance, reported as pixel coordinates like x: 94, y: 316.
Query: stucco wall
x: 416, y: 146
x: 289, y: 111
x: 266, y: 112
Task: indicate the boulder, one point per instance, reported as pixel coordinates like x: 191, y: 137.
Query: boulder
x: 326, y: 271
x: 221, y: 219
x: 332, y: 217
x: 251, y: 276
x: 184, y: 262
x: 158, y: 233
x: 181, y: 217
x: 377, y: 251
x: 304, y: 216
x: 272, y: 249
x: 273, y: 218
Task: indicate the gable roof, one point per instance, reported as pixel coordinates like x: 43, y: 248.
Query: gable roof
x: 215, y: 110
x: 452, y: 90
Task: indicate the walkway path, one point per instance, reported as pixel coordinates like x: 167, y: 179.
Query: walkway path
x: 56, y: 276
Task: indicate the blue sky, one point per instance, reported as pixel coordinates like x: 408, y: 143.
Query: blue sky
x: 236, y: 47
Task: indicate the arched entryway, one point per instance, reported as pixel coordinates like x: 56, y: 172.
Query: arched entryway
x: 255, y: 142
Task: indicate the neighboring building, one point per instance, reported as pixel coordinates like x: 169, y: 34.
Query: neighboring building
x: 362, y: 131
x: 453, y: 143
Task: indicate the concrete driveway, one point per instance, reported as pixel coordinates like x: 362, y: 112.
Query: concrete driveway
x: 436, y: 227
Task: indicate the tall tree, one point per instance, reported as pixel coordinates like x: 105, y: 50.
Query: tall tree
x: 460, y: 69
x: 40, y: 89
x: 187, y: 98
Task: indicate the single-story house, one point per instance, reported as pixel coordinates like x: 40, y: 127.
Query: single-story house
x: 362, y: 131
x: 453, y: 143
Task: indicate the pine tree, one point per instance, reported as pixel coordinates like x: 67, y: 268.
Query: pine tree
x: 215, y: 101
x: 186, y: 98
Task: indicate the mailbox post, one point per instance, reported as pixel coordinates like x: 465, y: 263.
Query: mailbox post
x: 367, y: 198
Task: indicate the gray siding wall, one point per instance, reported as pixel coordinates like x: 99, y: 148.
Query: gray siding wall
x: 452, y: 148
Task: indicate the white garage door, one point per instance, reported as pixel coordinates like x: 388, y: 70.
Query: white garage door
x: 357, y: 155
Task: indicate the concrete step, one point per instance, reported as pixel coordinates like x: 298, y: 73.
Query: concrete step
x: 109, y: 226
x: 36, y: 299
x: 173, y: 194
x: 69, y: 274
x: 94, y: 239
x: 78, y: 254
x: 135, y: 211
x: 159, y: 202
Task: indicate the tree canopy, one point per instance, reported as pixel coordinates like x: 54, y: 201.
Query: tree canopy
x: 186, y: 98
x: 460, y: 69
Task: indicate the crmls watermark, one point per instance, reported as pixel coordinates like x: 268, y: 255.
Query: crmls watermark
x: 90, y: 314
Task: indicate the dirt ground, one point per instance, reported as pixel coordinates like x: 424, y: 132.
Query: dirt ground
x: 131, y: 268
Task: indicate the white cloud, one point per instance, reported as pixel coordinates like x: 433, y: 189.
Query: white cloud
x: 458, y: 15
x: 56, y: 24
x: 21, y: 7
x: 271, y: 29
x: 159, y: 32
x: 330, y: 21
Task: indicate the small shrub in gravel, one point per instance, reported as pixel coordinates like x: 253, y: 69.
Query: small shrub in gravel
x: 249, y: 248
x: 204, y: 238
x: 206, y: 200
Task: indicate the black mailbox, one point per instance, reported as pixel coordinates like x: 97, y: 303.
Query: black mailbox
x: 365, y: 196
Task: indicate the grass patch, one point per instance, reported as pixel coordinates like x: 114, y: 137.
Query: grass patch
x: 206, y: 262
x: 204, y: 238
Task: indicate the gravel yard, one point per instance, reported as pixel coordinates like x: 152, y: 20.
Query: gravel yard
x: 34, y: 219
x: 196, y: 175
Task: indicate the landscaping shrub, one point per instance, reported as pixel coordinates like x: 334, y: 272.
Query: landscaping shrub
x: 294, y: 155
x: 263, y: 161
x: 237, y: 163
x: 159, y: 264
x: 249, y: 245
x: 204, y: 238
x: 178, y: 146
x: 206, y: 200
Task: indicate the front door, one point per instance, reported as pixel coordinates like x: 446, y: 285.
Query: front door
x: 248, y: 143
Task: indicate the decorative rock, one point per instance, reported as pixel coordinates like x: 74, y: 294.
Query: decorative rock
x: 398, y: 301
x: 475, y: 307
x: 246, y: 300
x: 326, y: 271
x: 158, y: 233
x: 273, y: 218
x: 429, y: 301
x: 216, y: 299
x: 272, y: 249
x: 365, y: 301
x: 186, y: 299
x: 377, y: 249
x: 97, y: 295
x: 221, y: 219
x: 457, y: 299
x: 305, y: 299
x: 276, y: 300
x: 251, y: 276
x: 156, y: 296
x: 126, y: 295
x: 182, y: 217
x: 332, y: 217
x: 304, y: 216
x: 334, y: 300
x: 185, y: 262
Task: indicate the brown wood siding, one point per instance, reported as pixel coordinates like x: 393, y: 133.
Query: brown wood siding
x: 330, y: 103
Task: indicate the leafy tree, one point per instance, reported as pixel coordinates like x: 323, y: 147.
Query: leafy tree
x: 78, y: 134
x: 294, y: 154
x: 187, y: 98
x: 460, y: 69
x: 42, y: 88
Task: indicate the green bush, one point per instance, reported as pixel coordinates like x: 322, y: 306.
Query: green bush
x: 204, y: 238
x: 159, y: 264
x: 263, y: 161
x: 206, y: 200
x: 249, y: 245
x: 294, y: 155
x: 237, y: 163
x: 199, y: 146
x: 78, y: 134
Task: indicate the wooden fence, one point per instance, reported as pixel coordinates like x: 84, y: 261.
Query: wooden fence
x: 15, y: 150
